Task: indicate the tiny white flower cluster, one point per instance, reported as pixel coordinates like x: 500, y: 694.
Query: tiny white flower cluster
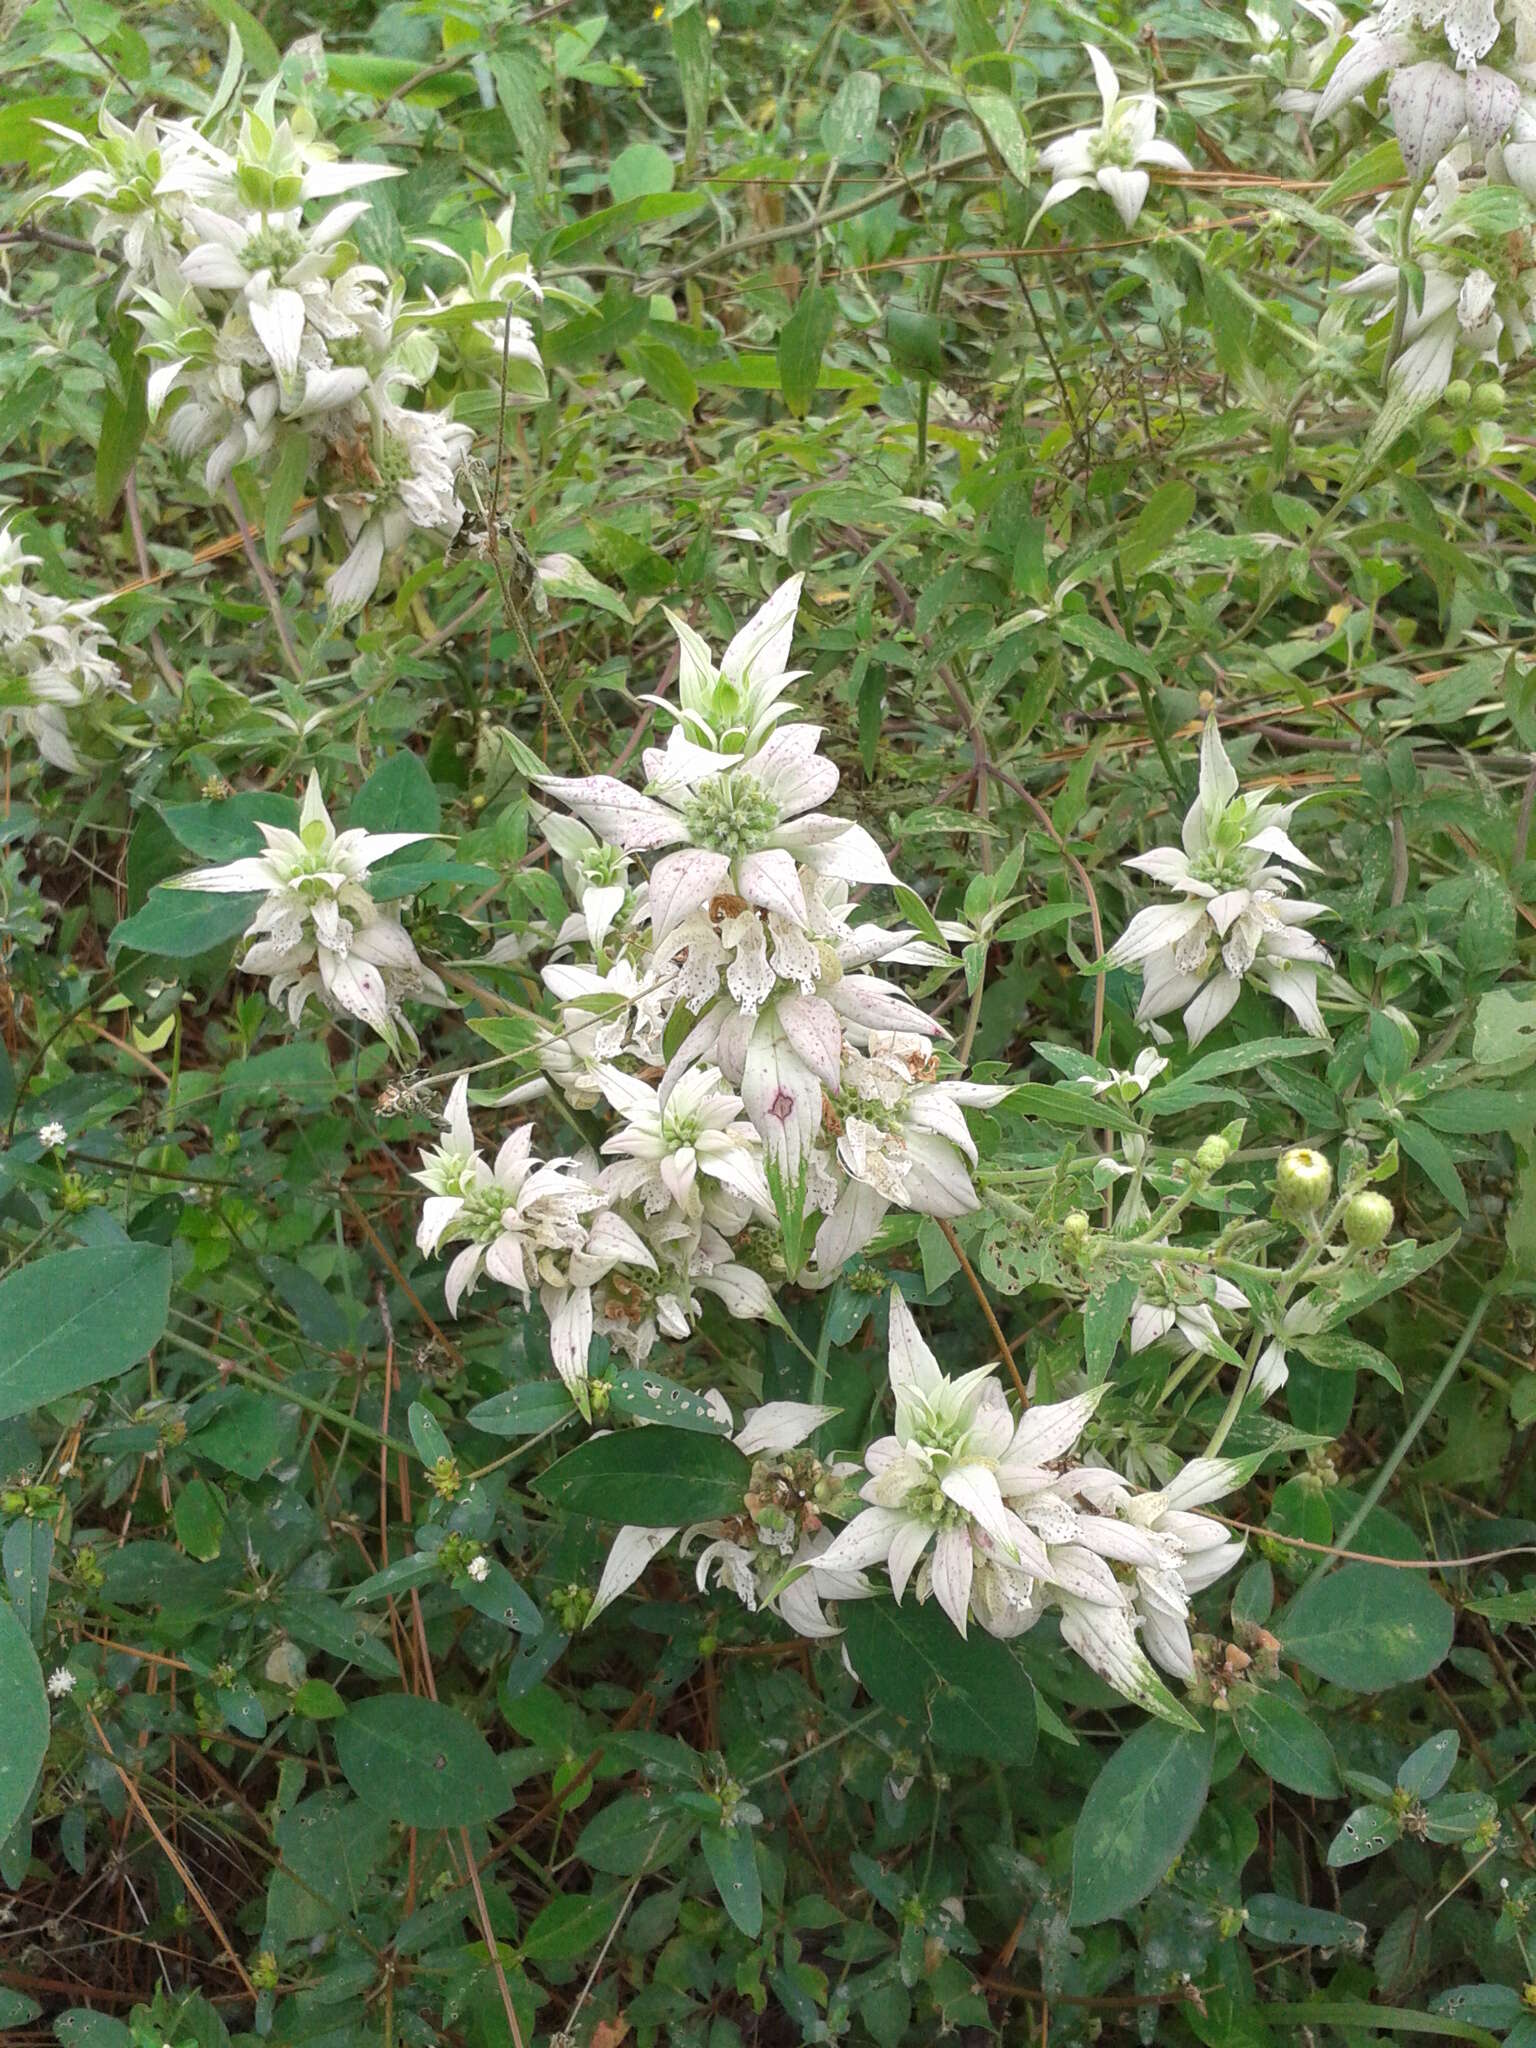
x: 274, y: 345
x: 1235, y: 920
x: 719, y: 1008
x: 54, y: 660
x: 984, y: 1514
x: 318, y: 932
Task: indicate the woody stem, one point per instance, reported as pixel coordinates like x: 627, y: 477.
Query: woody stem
x: 986, y: 1307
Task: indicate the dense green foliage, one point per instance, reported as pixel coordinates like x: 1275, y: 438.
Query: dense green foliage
x: 302, y: 1736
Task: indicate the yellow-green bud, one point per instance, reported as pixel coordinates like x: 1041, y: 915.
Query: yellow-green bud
x: 1368, y: 1221
x: 1303, y: 1179
x: 1458, y: 393
x: 1213, y: 1154
x: 1488, y: 400
x: 1075, y: 1226
x: 445, y: 1478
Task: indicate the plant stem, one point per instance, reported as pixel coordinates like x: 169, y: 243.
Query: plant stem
x: 1422, y: 1413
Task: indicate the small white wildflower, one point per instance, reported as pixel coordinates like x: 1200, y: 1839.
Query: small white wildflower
x: 61, y: 1683
x: 318, y: 932
x: 53, y: 1136
x: 1234, y: 922
x: 1111, y: 155
x: 479, y: 1568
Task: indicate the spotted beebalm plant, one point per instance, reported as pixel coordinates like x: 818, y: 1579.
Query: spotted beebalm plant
x: 1236, y: 921
x: 318, y: 933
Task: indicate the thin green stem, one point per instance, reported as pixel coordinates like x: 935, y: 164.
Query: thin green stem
x: 1409, y: 1437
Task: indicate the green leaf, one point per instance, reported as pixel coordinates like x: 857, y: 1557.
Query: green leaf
x: 521, y: 85
x: 318, y: 1701
x: 23, y: 1716
x: 1139, y: 1813
x: 998, y: 116
x: 1504, y: 1030
x: 263, y: 52
x: 590, y: 235
x: 417, y: 1761
x: 649, y: 1476
x: 693, y: 56
x: 633, y: 1834
x: 181, y: 924
x: 675, y: 385
x: 1388, y: 2019
x: 589, y: 337
x: 284, y: 489
x: 1485, y: 933
x: 1476, y: 1112
x: 1284, y: 1744
x: 226, y: 830
x: 853, y: 119
x: 1368, y: 1627
x: 399, y: 796
x: 1369, y: 1830
x: 524, y: 1411
x: 1368, y: 170
x: 22, y: 139
x: 199, y: 1520
x: 1166, y: 513
x: 964, y: 1693
x: 1061, y: 1103
x: 1339, y: 1352
x: 1286, y: 1923
x: 640, y: 171
x: 75, y: 1318
x: 801, y: 342
x: 1428, y: 1152
x: 565, y: 576
x: 731, y: 1854
x: 1485, y: 2005
x: 330, y: 1844
x: 916, y: 342
x: 1106, y: 645
x: 571, y: 1925
x: 124, y: 417
x: 648, y: 1397
x: 1427, y: 1769
x: 27, y: 1555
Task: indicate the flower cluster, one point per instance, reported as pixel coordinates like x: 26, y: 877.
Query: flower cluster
x: 1235, y: 920
x: 54, y: 660
x: 273, y: 344
x: 710, y: 993
x: 1454, y: 261
x: 1469, y: 275
x: 986, y: 1515
x: 989, y: 1516
x: 772, y: 1555
x: 318, y: 932
x: 1454, y: 69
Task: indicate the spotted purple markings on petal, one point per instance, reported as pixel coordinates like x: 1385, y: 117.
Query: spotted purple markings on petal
x: 782, y: 1106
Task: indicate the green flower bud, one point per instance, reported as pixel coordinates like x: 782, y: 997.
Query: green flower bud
x: 1368, y: 1221
x: 1213, y: 1154
x: 1458, y: 393
x: 1303, y: 1179
x: 1075, y: 1226
x: 1488, y: 400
